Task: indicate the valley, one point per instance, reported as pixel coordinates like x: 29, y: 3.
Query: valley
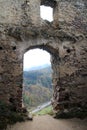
x: 37, y: 86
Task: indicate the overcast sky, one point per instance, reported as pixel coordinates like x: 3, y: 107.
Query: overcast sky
x: 46, y: 13
x: 38, y: 57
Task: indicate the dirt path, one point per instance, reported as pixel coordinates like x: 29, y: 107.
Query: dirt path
x: 49, y: 123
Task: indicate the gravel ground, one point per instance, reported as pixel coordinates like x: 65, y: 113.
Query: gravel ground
x: 49, y: 123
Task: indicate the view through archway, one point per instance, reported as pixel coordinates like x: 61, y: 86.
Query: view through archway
x: 37, y: 80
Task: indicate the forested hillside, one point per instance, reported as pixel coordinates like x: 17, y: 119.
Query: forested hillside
x: 37, y: 86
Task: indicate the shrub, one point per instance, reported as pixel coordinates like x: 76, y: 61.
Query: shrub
x: 8, y: 116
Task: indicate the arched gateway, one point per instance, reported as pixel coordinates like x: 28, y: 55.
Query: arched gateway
x: 21, y: 29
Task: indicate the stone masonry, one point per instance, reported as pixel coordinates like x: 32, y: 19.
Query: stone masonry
x: 65, y: 38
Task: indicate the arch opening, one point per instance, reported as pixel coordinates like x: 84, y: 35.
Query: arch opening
x: 37, y: 78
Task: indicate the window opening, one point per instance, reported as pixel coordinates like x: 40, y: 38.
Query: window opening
x: 46, y: 13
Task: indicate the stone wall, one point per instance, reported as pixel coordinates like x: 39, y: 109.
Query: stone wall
x: 22, y: 29
x: 73, y: 16
x: 70, y: 76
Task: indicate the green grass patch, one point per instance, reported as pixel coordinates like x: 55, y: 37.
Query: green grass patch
x: 48, y: 110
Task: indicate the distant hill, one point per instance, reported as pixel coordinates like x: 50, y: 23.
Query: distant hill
x: 36, y: 95
x: 37, y: 86
x: 43, y: 77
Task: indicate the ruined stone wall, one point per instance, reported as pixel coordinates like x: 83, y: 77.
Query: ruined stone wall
x: 70, y: 76
x: 70, y: 82
x: 10, y: 72
x: 73, y: 16
x: 22, y: 29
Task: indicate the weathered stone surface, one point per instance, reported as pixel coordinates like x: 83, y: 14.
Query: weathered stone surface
x: 22, y: 29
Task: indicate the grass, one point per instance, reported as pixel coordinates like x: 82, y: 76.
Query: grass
x: 45, y: 111
x: 75, y: 112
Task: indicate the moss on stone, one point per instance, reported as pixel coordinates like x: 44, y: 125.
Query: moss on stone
x: 73, y: 113
x: 8, y: 116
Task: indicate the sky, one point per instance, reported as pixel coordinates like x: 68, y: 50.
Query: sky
x: 46, y: 13
x: 38, y: 57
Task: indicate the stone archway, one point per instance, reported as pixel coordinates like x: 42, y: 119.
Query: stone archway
x: 37, y: 78
x: 65, y: 67
x: 54, y: 56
